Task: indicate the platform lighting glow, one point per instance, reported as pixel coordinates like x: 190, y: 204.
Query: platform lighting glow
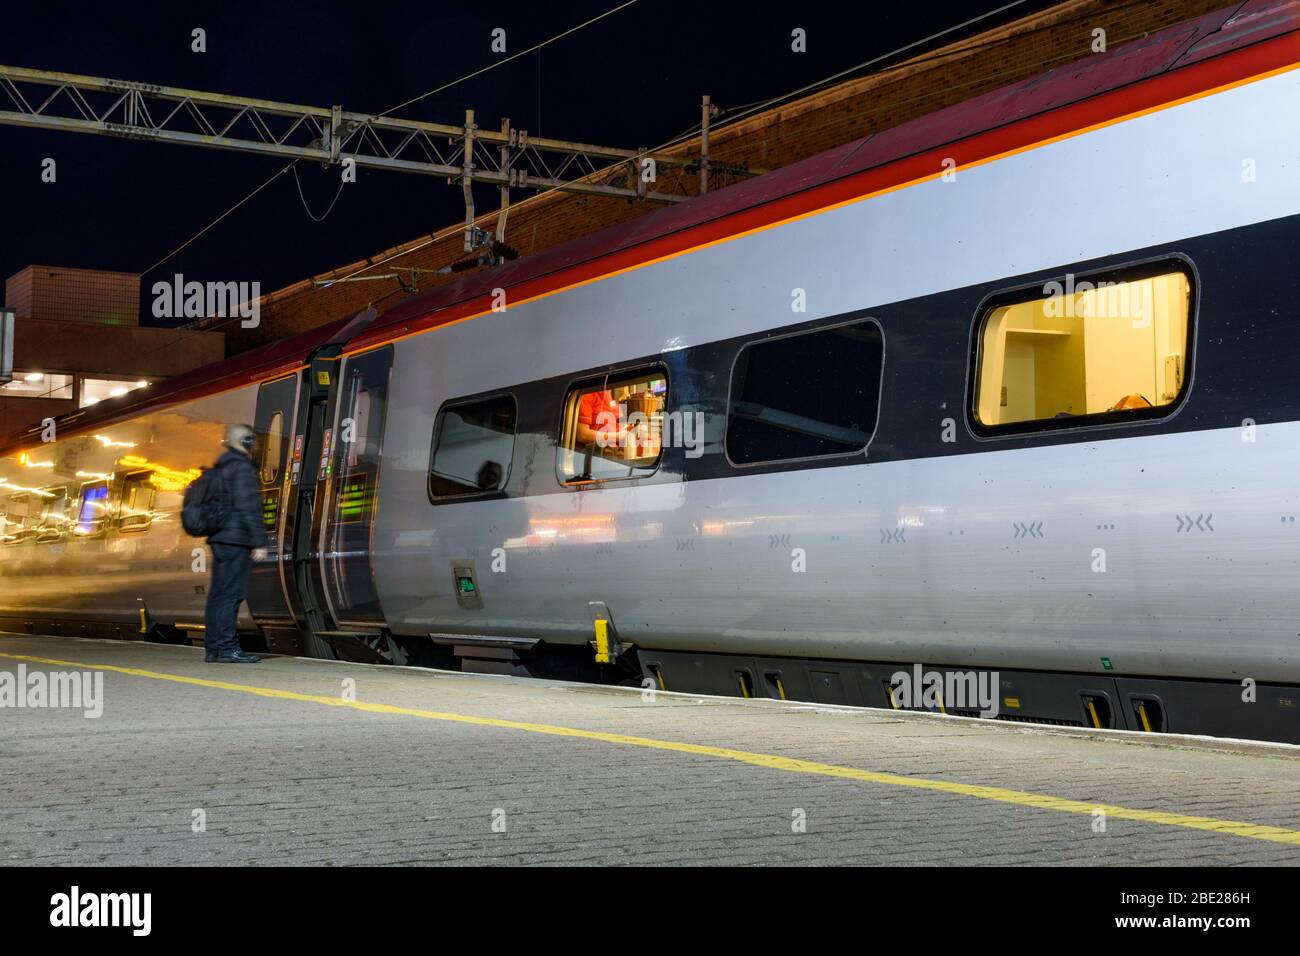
x: 162, y: 477
x: 597, y: 521
x: 709, y: 527
x: 24, y: 490
x: 34, y: 377
x: 110, y: 443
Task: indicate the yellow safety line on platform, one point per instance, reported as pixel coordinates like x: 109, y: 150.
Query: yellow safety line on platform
x: 1254, y: 831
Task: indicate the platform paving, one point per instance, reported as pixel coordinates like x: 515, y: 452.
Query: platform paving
x: 313, y: 762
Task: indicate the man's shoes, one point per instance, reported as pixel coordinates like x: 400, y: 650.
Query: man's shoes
x: 209, y: 657
x: 235, y: 657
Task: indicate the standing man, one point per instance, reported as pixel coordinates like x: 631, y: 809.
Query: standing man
x: 239, y: 542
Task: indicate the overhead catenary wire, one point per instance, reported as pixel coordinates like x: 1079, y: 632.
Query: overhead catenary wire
x: 310, y: 214
x: 946, y: 53
x: 764, y: 104
x: 278, y: 173
x: 513, y: 56
x: 1009, y: 72
x: 942, y: 54
x: 445, y: 86
x: 676, y: 140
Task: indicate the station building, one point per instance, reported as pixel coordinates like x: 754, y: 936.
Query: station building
x: 78, y: 340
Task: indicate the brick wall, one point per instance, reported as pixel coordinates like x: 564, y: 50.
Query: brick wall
x: 74, y: 295
x: 770, y: 139
x: 142, y: 351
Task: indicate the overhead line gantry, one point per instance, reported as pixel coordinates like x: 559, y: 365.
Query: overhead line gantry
x: 508, y: 158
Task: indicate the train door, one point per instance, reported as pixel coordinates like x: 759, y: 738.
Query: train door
x: 350, y: 470
x: 302, y: 503
x: 329, y: 477
x: 273, y: 423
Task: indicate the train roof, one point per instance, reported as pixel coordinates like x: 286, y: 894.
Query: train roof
x: 1212, y: 51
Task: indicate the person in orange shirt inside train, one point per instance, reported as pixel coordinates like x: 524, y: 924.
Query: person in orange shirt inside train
x: 599, y: 421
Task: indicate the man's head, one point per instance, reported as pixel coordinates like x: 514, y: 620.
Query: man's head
x: 240, y: 438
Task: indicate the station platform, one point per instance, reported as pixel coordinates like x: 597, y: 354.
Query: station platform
x: 296, y: 761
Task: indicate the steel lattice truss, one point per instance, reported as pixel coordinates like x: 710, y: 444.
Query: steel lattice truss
x: 507, y: 158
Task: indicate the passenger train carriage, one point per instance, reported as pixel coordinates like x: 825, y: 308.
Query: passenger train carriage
x: 1007, y: 389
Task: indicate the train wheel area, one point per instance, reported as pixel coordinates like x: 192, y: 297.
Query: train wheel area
x: 141, y: 753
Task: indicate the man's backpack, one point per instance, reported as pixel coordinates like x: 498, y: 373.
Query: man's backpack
x: 203, y: 512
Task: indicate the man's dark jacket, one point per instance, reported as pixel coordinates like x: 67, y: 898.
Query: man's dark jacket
x: 243, y: 497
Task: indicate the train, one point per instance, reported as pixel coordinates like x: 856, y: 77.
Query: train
x: 1003, y: 392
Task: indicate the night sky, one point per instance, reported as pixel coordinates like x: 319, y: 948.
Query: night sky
x: 633, y: 79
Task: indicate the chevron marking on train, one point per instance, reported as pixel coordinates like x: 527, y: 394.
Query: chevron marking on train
x: 887, y: 536
x: 1027, y: 530
x: 1039, y: 801
x: 1201, y: 522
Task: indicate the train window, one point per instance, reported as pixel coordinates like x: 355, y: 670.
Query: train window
x: 807, y: 395
x: 473, y: 444
x: 54, y: 515
x: 613, y: 427
x: 1084, y: 352
x: 20, y: 518
x: 94, y: 509
x: 272, y: 445
x: 136, y: 512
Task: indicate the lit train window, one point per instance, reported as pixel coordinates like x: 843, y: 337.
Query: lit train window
x: 94, y: 509
x: 808, y: 395
x: 136, y: 512
x: 473, y: 444
x: 613, y: 427
x: 1084, y: 352
x: 272, y: 444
